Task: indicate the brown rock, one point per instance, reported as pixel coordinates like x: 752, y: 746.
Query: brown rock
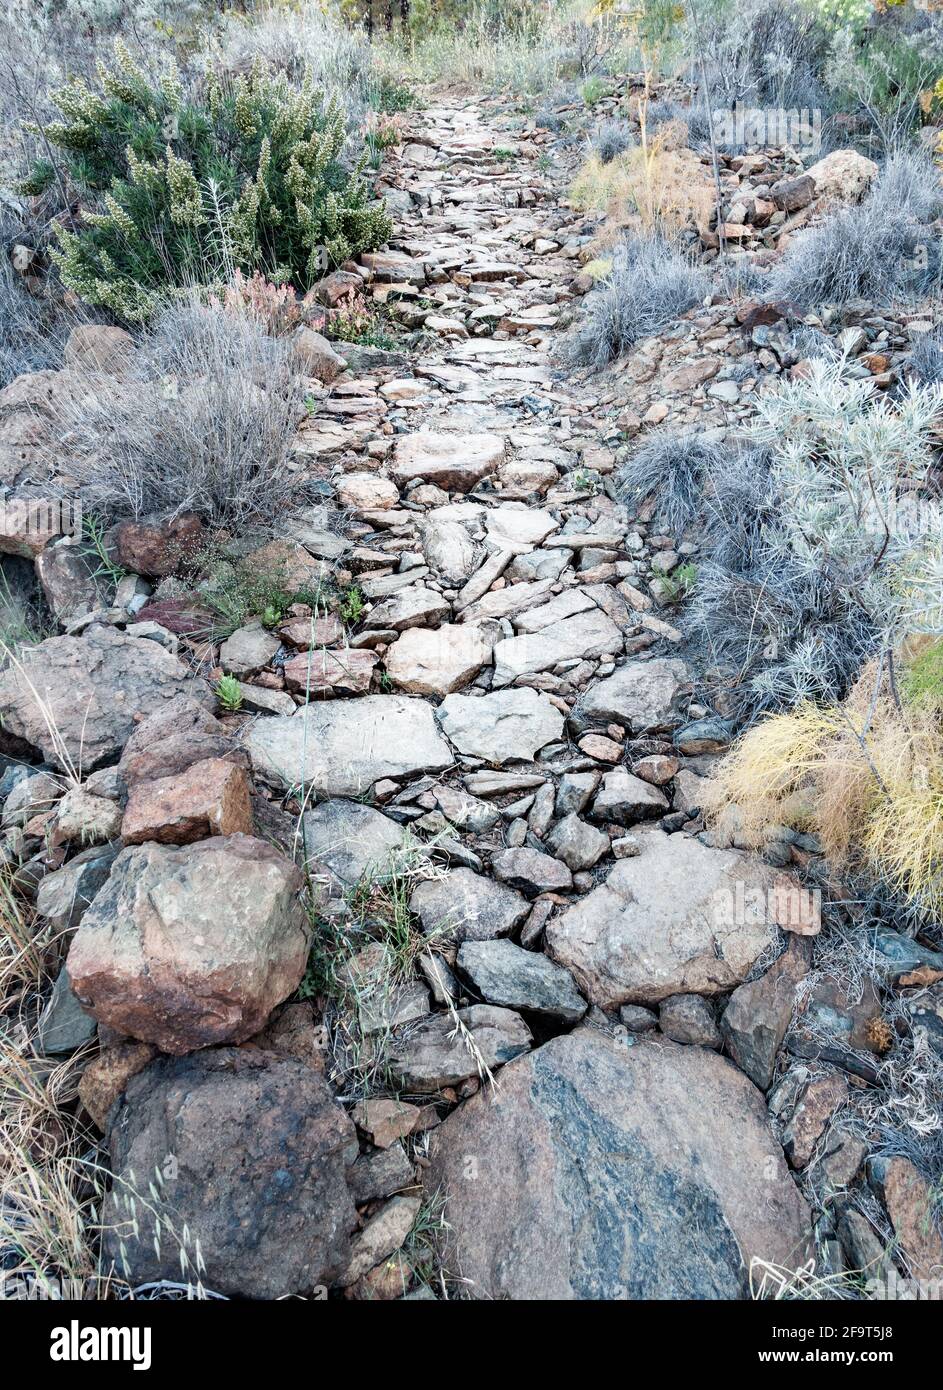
x: 252, y: 1154
x: 96, y: 347
x: 818, y: 1103
x: 158, y: 546
x: 584, y: 1176
x: 346, y: 671
x: 312, y: 632
x: 106, y: 1076
x: 912, y: 1209
x: 193, y: 945
x: 172, y: 739
x: 384, y: 1121
x: 317, y: 356
x: 211, y: 797
x: 93, y: 687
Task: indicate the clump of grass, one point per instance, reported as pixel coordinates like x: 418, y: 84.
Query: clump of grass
x: 356, y: 997
x: 204, y: 421
x: 866, y: 775
x: 651, y: 284
x: 236, y: 589
x: 646, y: 187
x: 673, y: 469
x: 611, y: 138
x: 922, y: 683
x: 884, y: 249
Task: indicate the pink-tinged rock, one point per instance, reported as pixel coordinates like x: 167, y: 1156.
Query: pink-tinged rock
x: 76, y: 698
x: 312, y: 632
x: 191, y: 946
x: 96, y: 347
x: 345, y: 671
x: 160, y: 546
x: 173, y: 738
x: 210, y: 798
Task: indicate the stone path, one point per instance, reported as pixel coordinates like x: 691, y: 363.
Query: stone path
x: 504, y: 583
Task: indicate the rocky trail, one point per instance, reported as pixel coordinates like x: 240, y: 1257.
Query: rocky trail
x: 502, y: 737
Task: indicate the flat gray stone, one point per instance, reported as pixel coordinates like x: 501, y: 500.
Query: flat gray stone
x: 353, y: 842
x: 505, y: 726
x: 342, y: 747
x: 504, y: 974
x: 679, y: 918
x: 645, y: 696
x: 625, y: 799
x: 584, y: 636
x: 435, y: 1054
x: 532, y: 871
x: 465, y: 906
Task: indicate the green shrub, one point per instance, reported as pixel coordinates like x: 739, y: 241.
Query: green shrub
x: 188, y: 188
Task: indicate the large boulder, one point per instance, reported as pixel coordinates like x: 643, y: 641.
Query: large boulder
x: 642, y: 1172
x: 679, y: 918
x: 248, y: 1154
x: 76, y: 699
x: 844, y: 175
x: 342, y: 748
x: 190, y: 946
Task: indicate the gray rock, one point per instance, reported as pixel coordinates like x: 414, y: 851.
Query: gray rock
x: 247, y: 650
x: 465, y: 906
x: 586, y: 1176
x: 449, y: 551
x: 64, y: 895
x: 353, y: 842
x: 341, y: 747
x: 703, y: 736
x: 578, y: 844
x: 436, y: 1054
x: 637, y: 1018
x: 645, y: 696
x: 504, y: 974
x: 755, y: 1020
x: 260, y: 1153
x: 93, y: 688
x: 64, y: 1026
x: 531, y: 871
x: 688, y: 1018
x: 32, y: 795
x: 583, y: 636
x: 670, y: 921
x: 509, y: 725
x: 414, y: 607
x: 624, y: 799
x: 464, y: 811
x: 381, y: 1174
x: 574, y: 792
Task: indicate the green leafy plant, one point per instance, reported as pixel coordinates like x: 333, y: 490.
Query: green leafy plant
x: 188, y: 188
x: 229, y: 694
x: 352, y: 606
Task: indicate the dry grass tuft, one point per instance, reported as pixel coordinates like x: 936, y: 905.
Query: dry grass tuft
x: 649, y: 186
x: 866, y: 774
